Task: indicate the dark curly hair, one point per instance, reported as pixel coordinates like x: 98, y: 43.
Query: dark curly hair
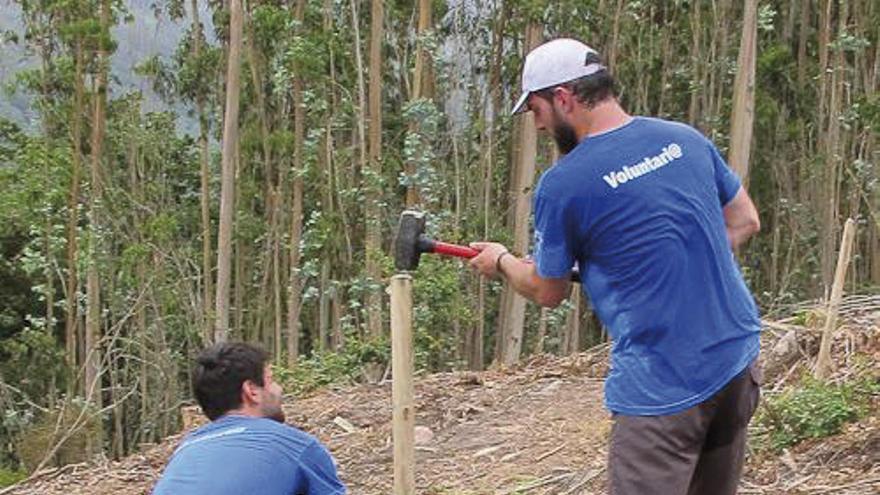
x: 220, y: 371
x: 589, y: 90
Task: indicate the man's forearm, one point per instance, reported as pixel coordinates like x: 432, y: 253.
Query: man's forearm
x: 737, y: 235
x: 523, y: 277
x: 494, y: 260
x: 741, y: 219
x: 518, y: 274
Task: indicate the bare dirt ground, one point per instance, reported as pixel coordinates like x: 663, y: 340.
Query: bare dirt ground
x: 537, y: 429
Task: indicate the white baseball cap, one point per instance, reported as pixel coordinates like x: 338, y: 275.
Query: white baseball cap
x: 553, y: 63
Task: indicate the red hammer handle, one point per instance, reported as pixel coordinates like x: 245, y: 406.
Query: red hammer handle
x: 454, y: 250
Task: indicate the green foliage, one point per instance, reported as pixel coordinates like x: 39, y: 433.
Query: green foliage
x: 17, y: 299
x: 418, y: 151
x: 847, y: 42
x: 868, y: 110
x: 766, y: 16
x: 438, y: 308
x: 333, y: 367
x: 814, y: 409
x: 74, y: 425
x: 25, y: 163
x: 32, y: 359
x: 10, y: 477
x: 32, y: 363
x: 271, y: 24
x: 27, y: 203
x: 196, y: 75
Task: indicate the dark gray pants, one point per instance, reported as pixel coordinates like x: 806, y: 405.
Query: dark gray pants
x: 699, y: 451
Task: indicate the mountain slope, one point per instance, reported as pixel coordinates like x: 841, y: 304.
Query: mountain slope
x: 539, y: 428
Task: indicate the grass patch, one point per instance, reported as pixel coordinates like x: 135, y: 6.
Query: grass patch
x: 9, y: 477
x: 813, y: 409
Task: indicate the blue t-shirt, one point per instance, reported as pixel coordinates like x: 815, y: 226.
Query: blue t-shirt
x: 239, y: 455
x: 639, y: 209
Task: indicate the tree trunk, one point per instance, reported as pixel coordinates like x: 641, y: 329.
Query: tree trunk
x: 474, y: 344
x: 240, y: 252
x: 824, y: 39
x: 117, y: 444
x: 420, y: 78
x: 823, y: 360
x: 254, y: 62
x: 338, y: 305
x: 277, y: 315
x: 696, y: 28
x: 475, y: 341
x: 719, y: 43
x: 571, y: 338
x: 503, y: 303
x: 615, y: 34
x: 789, y: 21
x: 522, y: 193
x: 71, y: 327
x: 803, y: 32
x: 227, y: 178
x: 324, y: 307
x: 744, y: 94
x: 139, y: 318
x: 874, y: 249
x: 361, y: 110
x: 294, y: 303
x: 93, y: 286
x: 831, y: 150
x: 205, y: 197
x: 272, y: 206
x: 373, y: 245
x: 542, y: 331
x: 48, y: 252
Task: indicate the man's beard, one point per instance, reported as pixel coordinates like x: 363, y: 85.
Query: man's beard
x: 273, y: 411
x: 564, y: 135
x: 277, y: 415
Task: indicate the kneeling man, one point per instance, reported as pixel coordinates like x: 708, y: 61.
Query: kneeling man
x: 246, y: 448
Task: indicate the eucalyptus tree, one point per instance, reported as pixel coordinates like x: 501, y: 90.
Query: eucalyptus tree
x: 92, y: 334
x: 372, y: 175
x: 227, y: 186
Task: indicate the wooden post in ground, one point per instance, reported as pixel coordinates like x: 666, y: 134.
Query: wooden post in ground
x: 823, y: 361
x: 403, y: 428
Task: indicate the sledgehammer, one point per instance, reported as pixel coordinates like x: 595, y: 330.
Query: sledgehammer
x: 411, y: 242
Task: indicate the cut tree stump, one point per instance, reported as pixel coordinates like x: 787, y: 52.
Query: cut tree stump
x: 823, y: 361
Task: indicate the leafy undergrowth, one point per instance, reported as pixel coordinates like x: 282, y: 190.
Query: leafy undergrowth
x: 344, y: 367
x: 814, y: 409
x: 8, y: 477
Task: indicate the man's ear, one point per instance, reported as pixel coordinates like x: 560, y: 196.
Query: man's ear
x: 565, y: 99
x: 250, y: 393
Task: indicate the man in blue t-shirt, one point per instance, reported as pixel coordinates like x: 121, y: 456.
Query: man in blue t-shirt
x: 246, y: 448
x: 649, y: 213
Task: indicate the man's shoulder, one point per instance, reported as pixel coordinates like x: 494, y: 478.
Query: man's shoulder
x: 562, y: 180
x: 670, y: 126
x: 235, y: 425
x: 282, y: 429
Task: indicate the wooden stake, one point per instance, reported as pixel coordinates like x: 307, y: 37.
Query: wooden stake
x: 403, y: 430
x: 823, y: 361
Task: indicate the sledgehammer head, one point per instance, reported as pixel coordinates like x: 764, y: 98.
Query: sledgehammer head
x: 407, y: 245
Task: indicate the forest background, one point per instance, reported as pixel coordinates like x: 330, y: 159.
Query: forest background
x: 260, y: 201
